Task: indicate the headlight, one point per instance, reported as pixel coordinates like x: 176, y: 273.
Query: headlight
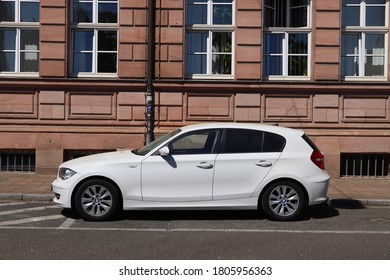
x: 65, y: 173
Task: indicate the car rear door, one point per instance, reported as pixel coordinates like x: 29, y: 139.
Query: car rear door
x: 245, y: 159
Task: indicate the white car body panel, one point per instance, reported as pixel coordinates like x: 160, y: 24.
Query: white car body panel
x: 239, y: 175
x: 178, y: 178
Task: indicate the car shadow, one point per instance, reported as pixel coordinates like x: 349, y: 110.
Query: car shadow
x: 322, y: 211
x: 347, y: 204
x: 313, y: 212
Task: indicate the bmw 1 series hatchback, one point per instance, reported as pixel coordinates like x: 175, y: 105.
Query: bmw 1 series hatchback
x: 205, y: 166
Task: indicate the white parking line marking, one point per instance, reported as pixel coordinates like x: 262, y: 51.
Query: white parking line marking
x: 67, y: 224
x: 206, y: 230
x: 30, y: 220
x: 11, y: 203
x: 283, y: 231
x: 24, y: 210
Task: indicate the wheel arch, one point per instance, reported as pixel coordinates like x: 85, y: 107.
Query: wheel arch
x: 282, y: 180
x: 99, y: 178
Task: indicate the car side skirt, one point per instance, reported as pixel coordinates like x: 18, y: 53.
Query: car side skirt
x: 244, y: 204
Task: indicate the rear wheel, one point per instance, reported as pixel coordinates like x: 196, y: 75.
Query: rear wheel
x: 283, y: 201
x: 96, y: 200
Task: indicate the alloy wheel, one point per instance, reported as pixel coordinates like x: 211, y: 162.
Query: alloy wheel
x: 284, y: 200
x: 96, y: 200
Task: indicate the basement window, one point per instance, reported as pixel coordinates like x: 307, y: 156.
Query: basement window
x: 17, y: 160
x: 365, y: 165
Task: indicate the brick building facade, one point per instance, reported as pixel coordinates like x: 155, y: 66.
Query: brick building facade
x: 73, y: 75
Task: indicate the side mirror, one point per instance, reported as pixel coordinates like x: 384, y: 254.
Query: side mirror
x: 164, y: 151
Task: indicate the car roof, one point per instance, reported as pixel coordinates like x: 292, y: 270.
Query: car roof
x: 256, y: 126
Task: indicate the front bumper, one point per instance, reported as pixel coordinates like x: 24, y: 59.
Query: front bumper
x: 63, y: 190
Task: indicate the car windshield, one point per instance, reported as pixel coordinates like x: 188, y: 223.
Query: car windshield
x: 151, y: 146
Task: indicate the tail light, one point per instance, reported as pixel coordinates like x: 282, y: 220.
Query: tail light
x: 318, y: 159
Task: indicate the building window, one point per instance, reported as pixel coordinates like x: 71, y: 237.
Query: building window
x: 209, y: 38
x: 364, y: 39
x: 94, y: 37
x: 19, y: 36
x: 286, y: 48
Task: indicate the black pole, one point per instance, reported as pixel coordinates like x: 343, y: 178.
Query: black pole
x: 150, y: 72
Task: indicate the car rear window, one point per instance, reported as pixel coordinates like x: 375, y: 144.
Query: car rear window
x: 310, y: 142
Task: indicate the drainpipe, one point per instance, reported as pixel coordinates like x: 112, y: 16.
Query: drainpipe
x: 150, y: 72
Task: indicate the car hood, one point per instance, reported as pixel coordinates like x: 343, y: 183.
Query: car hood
x: 93, y: 161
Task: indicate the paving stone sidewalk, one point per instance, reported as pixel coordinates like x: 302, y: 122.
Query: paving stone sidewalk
x: 366, y: 192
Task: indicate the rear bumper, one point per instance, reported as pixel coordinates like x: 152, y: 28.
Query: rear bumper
x: 317, y: 188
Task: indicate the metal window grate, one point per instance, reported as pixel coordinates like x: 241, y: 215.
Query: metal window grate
x: 72, y: 154
x: 17, y: 160
x: 365, y: 165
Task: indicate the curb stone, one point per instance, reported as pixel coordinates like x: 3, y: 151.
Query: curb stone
x: 38, y: 197
x: 26, y: 197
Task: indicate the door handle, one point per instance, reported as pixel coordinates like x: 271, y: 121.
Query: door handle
x: 264, y: 163
x: 205, y: 165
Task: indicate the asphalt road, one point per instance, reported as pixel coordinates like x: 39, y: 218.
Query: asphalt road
x: 46, y: 232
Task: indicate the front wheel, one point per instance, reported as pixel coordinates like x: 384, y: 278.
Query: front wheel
x: 283, y: 201
x: 96, y: 200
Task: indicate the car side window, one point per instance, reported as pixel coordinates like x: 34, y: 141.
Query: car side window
x: 199, y: 142
x: 243, y: 141
x: 273, y: 143
x: 252, y: 141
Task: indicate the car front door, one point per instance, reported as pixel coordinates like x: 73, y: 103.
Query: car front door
x: 245, y: 159
x: 186, y: 173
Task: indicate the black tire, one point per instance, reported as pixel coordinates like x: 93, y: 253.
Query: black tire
x: 283, y: 201
x: 96, y: 200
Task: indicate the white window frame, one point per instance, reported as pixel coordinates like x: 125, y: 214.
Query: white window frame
x: 361, y: 57
x: 18, y: 11
x: 362, y: 19
x: 362, y: 30
x: 285, y: 55
x: 288, y: 13
x: 211, y: 28
x: 19, y: 26
x: 95, y: 27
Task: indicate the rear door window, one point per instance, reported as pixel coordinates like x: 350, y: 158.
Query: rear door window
x: 273, y: 143
x: 252, y: 141
x: 243, y: 141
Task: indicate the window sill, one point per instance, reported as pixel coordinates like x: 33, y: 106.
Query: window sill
x: 210, y: 77
x: 287, y: 78
x: 364, y: 79
x: 94, y: 75
x: 19, y: 75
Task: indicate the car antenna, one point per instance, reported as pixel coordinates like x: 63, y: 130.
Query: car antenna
x: 277, y: 123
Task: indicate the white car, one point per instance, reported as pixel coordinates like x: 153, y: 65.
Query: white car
x: 204, y: 166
